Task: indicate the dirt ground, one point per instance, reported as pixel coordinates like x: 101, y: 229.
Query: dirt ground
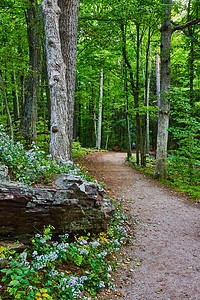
x: 163, y: 260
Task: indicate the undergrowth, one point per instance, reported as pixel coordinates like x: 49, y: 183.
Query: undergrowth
x: 179, y: 176
x: 33, y: 165
x: 78, y: 151
x: 63, y: 269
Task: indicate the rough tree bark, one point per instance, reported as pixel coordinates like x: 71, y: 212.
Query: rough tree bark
x: 61, y: 132
x: 163, y: 113
x: 68, y: 27
x: 29, y: 112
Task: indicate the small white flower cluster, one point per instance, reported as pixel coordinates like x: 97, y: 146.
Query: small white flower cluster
x: 44, y: 259
x: 64, y: 236
x: 82, y: 241
x: 101, y: 284
x: 102, y: 254
x: 71, y: 284
x: 83, y: 251
x: 94, y: 244
x: 23, y: 260
x: 17, y: 157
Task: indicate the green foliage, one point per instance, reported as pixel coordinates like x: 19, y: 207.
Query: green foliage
x: 78, y: 151
x: 184, y: 164
x: 175, y: 179
x: 30, y: 166
x: 63, y: 269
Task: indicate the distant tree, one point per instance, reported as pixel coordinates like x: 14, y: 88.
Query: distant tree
x: 98, y: 139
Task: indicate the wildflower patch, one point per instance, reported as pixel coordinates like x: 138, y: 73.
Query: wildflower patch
x: 63, y: 269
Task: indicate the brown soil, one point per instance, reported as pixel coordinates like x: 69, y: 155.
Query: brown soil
x: 162, y: 262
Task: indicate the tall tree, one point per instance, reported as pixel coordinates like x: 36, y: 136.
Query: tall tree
x: 29, y: 112
x: 68, y: 28
x: 163, y: 116
x: 61, y: 71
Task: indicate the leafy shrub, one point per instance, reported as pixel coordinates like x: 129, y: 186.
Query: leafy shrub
x: 30, y: 166
x: 78, y: 151
x: 184, y: 164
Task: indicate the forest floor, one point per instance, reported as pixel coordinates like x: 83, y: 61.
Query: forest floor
x: 163, y: 260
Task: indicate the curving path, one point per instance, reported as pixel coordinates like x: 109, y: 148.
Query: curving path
x: 163, y: 261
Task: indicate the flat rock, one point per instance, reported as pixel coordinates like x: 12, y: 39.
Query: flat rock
x: 71, y: 205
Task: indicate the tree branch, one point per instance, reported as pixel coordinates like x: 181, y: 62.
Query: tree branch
x: 185, y: 25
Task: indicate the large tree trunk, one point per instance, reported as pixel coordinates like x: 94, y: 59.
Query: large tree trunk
x: 163, y: 115
x: 98, y: 142
x: 29, y: 113
x: 61, y: 132
x: 68, y: 27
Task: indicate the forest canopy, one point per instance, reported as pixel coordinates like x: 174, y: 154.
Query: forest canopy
x: 118, y: 97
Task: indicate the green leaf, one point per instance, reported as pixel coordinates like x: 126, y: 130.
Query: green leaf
x: 14, y: 283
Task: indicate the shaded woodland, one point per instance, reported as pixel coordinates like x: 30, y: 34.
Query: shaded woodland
x: 136, y: 79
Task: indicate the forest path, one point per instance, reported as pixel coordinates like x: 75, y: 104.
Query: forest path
x: 165, y: 256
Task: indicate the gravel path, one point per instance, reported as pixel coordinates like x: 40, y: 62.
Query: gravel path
x: 163, y: 261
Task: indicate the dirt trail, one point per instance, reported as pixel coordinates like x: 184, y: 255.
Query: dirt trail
x: 165, y: 256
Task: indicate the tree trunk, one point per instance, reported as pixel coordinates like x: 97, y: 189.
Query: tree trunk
x: 68, y: 28
x: 7, y: 107
x: 157, y: 78
x: 22, y: 80
x: 147, y: 87
x: 163, y: 115
x: 128, y: 137
x: 16, y: 98
x: 191, y: 64
x: 75, y: 117
x: 139, y: 134
x: 46, y: 85
x: 133, y: 87
x: 62, y: 86
x: 98, y: 142
x: 29, y: 112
